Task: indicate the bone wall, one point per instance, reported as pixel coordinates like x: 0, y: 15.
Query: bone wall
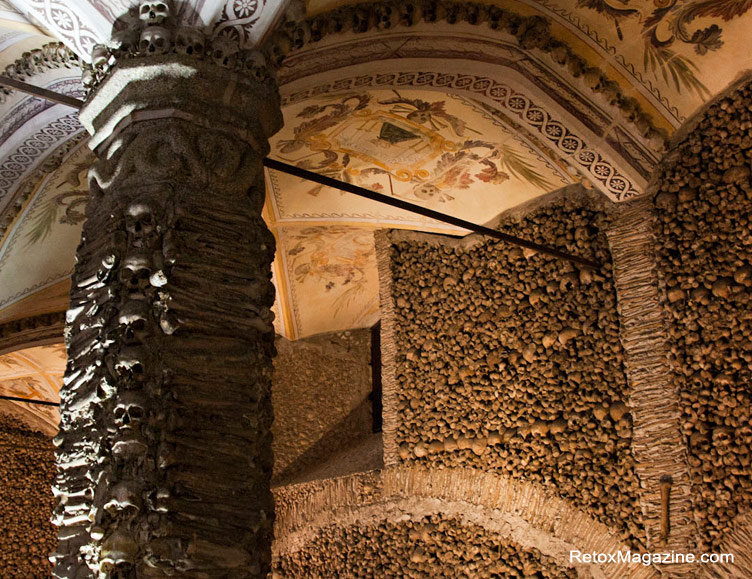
x: 501, y: 359
x: 703, y: 231
x: 320, y: 395
x: 424, y: 547
x: 27, y: 468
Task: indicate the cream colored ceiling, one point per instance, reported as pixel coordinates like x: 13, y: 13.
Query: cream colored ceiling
x: 673, y: 55
x: 441, y: 148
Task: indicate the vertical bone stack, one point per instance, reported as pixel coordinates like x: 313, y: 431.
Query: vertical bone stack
x: 164, y: 455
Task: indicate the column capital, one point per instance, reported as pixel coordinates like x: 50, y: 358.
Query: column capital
x: 157, y: 69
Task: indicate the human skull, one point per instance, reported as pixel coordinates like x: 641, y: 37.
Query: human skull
x: 125, y: 498
x: 130, y: 362
x: 190, y: 42
x: 361, y: 20
x: 224, y: 51
x: 386, y: 17
x: 118, y: 555
x: 301, y: 34
x: 279, y: 46
x: 134, y: 274
x: 141, y: 225
x: 134, y: 315
x: 154, y: 12
x: 255, y: 64
x: 410, y: 13
x: 130, y: 410
x: 155, y: 40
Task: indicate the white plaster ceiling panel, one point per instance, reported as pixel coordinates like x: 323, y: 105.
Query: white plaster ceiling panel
x: 40, y: 247
x: 331, y: 278
x: 35, y: 374
x: 443, y: 152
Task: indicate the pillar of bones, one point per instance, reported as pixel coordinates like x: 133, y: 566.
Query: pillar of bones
x: 164, y: 455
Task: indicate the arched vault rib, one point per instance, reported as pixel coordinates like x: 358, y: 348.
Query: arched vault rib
x: 519, y: 510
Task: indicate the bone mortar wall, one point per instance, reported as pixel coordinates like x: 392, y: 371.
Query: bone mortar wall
x: 509, y: 361
x: 320, y: 392
x: 425, y: 547
x: 27, y: 468
x: 704, y: 262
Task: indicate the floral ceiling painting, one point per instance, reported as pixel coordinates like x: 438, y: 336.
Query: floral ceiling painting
x: 680, y: 51
x: 439, y: 151
x: 332, y: 281
x: 672, y: 55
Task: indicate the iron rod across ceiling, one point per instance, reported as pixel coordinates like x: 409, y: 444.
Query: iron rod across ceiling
x: 413, y: 208
x: 29, y: 400
x: 342, y: 186
x: 55, y: 97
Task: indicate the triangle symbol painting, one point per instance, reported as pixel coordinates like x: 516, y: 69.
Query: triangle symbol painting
x: 394, y: 134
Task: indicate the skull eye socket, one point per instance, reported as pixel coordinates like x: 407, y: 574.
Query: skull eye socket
x: 136, y: 413
x: 145, y: 9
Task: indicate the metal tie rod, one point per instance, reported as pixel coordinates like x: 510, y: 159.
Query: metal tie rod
x: 29, y: 400
x: 341, y: 185
x: 43, y: 93
x: 400, y: 204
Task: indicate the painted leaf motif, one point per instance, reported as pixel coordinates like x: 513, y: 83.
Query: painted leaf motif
x: 724, y: 9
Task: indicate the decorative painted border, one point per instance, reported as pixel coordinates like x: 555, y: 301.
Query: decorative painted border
x: 533, y: 33
x: 31, y: 149
x: 520, y: 510
x: 65, y: 22
x: 609, y: 51
x: 533, y: 117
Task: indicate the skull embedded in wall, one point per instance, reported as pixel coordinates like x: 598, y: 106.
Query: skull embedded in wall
x: 130, y: 361
x: 134, y: 274
x: 190, y: 42
x: 255, y: 64
x: 386, y: 16
x: 125, y: 499
x: 155, y: 40
x: 154, y: 12
x: 134, y: 315
x: 130, y: 411
x: 224, y: 51
x: 141, y: 224
x: 301, y: 34
x: 118, y: 555
x: 280, y: 45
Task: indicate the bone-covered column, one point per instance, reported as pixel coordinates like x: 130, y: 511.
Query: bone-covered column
x: 164, y: 453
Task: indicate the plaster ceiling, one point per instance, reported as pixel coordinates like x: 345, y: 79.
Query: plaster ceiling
x: 450, y: 146
x: 673, y: 54
x: 34, y: 373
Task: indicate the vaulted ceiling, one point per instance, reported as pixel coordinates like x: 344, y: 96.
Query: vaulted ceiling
x: 468, y: 109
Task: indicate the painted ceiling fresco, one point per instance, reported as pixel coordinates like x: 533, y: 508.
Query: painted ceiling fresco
x: 35, y: 374
x: 674, y: 53
x: 39, y: 248
x: 440, y: 150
